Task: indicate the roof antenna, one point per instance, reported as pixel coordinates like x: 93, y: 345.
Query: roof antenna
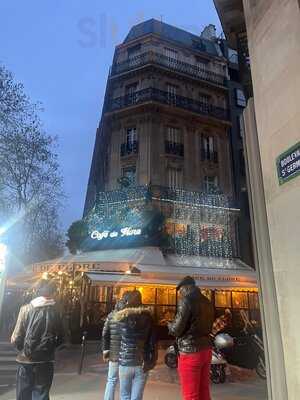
x: 161, y: 18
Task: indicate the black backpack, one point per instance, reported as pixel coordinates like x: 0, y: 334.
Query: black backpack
x: 41, y: 336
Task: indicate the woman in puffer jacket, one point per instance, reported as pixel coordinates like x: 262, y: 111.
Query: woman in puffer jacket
x: 137, y: 348
x: 111, y: 340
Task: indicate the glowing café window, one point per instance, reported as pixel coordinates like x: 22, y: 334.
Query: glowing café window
x: 148, y: 294
x: 99, y: 293
x: 169, y: 228
x: 253, y: 301
x: 166, y: 296
x: 223, y: 298
x: 180, y: 229
x: 239, y: 300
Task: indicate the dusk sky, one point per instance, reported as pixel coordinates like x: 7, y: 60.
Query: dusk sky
x: 62, y: 50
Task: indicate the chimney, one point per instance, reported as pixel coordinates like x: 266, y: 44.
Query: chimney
x: 209, y: 32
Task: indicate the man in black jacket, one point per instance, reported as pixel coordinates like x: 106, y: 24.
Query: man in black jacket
x: 137, y: 349
x: 111, y: 341
x: 191, y: 327
x: 37, y: 333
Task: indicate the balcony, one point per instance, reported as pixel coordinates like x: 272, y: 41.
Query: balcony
x: 209, y: 156
x: 128, y: 149
x: 163, y: 97
x: 155, y: 58
x: 176, y: 149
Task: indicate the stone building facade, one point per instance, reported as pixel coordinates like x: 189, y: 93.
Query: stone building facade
x: 166, y: 118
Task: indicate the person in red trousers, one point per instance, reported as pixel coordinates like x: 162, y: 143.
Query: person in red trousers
x: 191, y: 327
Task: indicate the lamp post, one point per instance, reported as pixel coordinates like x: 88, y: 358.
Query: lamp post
x: 3, y: 273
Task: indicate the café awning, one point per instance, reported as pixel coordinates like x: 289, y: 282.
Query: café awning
x: 113, y: 266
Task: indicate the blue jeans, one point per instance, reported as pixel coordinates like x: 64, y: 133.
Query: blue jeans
x: 112, y: 380
x: 132, y: 382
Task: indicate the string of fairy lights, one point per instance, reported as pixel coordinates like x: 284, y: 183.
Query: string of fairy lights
x: 196, y: 223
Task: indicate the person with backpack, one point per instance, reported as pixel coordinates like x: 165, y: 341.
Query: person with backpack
x: 192, y: 327
x: 37, y: 333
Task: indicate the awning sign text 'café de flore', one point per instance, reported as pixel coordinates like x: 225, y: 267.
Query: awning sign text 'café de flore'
x: 288, y: 164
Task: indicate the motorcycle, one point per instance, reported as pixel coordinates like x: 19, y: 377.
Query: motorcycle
x: 218, y: 367
x: 248, y: 350
x: 218, y: 362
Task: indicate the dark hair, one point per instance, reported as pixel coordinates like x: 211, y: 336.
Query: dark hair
x: 132, y: 298
x: 186, y: 281
x: 46, y: 288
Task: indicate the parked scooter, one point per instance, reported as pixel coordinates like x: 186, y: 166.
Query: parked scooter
x: 218, y: 362
x: 248, y: 350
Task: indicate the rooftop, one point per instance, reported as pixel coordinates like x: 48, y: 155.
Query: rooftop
x: 174, y: 34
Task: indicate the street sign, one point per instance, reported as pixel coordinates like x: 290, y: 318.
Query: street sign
x: 288, y: 164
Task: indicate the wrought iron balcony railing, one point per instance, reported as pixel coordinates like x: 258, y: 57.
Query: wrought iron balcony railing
x: 177, y: 149
x: 129, y: 148
x: 163, y: 97
x: 209, y: 156
x: 155, y: 58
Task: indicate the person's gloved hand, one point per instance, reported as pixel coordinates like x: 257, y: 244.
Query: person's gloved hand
x: 106, y: 356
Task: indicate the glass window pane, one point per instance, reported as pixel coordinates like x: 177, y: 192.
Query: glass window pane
x: 166, y: 296
x: 148, y: 294
x: 239, y: 300
x: 223, y: 299
x: 253, y: 301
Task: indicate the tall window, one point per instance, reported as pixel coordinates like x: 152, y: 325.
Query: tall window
x: 175, y: 177
x: 240, y: 98
x: 233, y: 56
x: 171, y: 93
x: 209, y: 149
x: 131, y: 93
x: 204, y: 98
x: 171, y: 54
x: 210, y: 183
x: 131, y: 136
x: 208, y: 144
x: 133, y: 53
x: 174, y: 135
x: 173, y: 142
x: 130, y: 174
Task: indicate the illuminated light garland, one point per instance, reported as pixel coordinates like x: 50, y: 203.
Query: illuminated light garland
x: 208, y: 217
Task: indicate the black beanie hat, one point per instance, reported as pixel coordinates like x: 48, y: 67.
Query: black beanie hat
x: 186, y: 281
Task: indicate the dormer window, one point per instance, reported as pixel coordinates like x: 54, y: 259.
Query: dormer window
x: 134, y: 50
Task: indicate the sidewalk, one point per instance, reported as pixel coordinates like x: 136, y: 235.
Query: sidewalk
x: 91, y: 387
x: 162, y: 383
